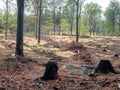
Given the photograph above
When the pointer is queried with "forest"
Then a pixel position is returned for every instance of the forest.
(59, 45)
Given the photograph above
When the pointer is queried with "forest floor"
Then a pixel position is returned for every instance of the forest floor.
(18, 73)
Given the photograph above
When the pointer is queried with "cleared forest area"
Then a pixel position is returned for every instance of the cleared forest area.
(22, 73)
(59, 45)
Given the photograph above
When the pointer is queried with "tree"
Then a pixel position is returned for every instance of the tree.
(1, 21)
(35, 4)
(6, 20)
(8, 5)
(77, 20)
(118, 17)
(93, 12)
(58, 20)
(79, 4)
(20, 15)
(29, 24)
(112, 15)
(71, 13)
(33, 7)
(40, 13)
(55, 7)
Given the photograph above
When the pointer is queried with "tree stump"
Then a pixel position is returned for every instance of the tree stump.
(105, 67)
(117, 55)
(51, 71)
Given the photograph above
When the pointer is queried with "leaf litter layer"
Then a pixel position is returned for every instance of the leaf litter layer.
(17, 73)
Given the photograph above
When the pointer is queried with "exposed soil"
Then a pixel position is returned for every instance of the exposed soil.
(23, 73)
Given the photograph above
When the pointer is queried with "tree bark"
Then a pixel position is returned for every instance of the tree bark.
(60, 22)
(36, 21)
(71, 25)
(40, 15)
(77, 22)
(59, 28)
(90, 31)
(119, 28)
(51, 71)
(6, 20)
(119, 25)
(20, 15)
(113, 24)
(79, 15)
(54, 24)
(105, 67)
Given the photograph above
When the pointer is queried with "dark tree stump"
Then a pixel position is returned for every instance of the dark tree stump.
(51, 71)
(116, 55)
(104, 50)
(105, 67)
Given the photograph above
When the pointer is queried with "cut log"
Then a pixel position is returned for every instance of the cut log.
(51, 71)
(105, 67)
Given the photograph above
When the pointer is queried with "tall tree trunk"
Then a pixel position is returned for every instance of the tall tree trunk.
(77, 22)
(91, 24)
(20, 15)
(59, 28)
(79, 28)
(94, 26)
(71, 25)
(113, 27)
(80, 6)
(90, 31)
(119, 25)
(6, 30)
(54, 24)
(113, 24)
(40, 15)
(36, 28)
(60, 22)
(71, 28)
(36, 22)
(119, 28)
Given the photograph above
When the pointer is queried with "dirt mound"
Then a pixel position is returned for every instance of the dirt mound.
(81, 52)
(85, 57)
(73, 46)
(56, 44)
(84, 36)
(63, 44)
(52, 44)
